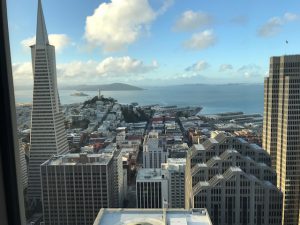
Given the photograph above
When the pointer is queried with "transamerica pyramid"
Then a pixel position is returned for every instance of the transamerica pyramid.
(48, 136)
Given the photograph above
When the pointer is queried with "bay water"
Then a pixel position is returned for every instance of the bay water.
(247, 98)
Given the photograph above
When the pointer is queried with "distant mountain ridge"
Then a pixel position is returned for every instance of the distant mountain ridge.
(104, 87)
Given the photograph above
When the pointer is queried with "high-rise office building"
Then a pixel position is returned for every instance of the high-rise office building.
(23, 164)
(174, 169)
(234, 180)
(76, 186)
(154, 151)
(282, 128)
(151, 189)
(162, 188)
(48, 136)
(236, 197)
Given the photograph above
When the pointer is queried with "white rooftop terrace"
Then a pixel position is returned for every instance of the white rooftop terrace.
(174, 164)
(79, 158)
(152, 217)
(149, 174)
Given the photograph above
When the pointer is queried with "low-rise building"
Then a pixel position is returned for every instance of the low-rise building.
(153, 217)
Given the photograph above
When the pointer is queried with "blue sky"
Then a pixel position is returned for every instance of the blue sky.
(156, 42)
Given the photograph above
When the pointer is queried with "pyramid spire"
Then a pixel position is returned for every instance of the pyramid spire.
(41, 31)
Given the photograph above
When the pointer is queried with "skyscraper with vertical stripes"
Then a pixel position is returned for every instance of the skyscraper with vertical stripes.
(281, 131)
(48, 135)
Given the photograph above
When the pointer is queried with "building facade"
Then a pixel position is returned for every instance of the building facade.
(282, 128)
(239, 198)
(48, 136)
(23, 164)
(76, 186)
(151, 189)
(154, 151)
(162, 188)
(174, 169)
(234, 180)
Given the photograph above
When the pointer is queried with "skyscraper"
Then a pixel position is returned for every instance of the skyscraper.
(76, 186)
(23, 164)
(282, 129)
(154, 151)
(234, 181)
(174, 170)
(48, 135)
(151, 188)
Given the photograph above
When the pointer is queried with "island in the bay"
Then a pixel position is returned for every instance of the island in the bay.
(104, 87)
(79, 94)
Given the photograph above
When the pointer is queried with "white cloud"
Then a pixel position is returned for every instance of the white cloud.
(251, 71)
(274, 25)
(123, 66)
(197, 67)
(225, 67)
(118, 68)
(60, 41)
(119, 23)
(201, 40)
(165, 6)
(288, 17)
(77, 69)
(22, 70)
(190, 20)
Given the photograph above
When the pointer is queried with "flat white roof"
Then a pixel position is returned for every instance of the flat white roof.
(149, 174)
(152, 217)
(199, 147)
(79, 158)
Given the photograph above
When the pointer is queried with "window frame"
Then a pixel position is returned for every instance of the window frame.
(12, 209)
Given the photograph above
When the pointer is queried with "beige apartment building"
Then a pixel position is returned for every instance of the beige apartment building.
(281, 132)
(234, 180)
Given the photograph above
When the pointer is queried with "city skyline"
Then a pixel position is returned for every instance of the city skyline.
(159, 43)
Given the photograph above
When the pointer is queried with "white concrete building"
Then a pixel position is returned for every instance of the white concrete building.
(154, 151)
(174, 170)
(48, 136)
(151, 189)
(152, 217)
(162, 188)
(121, 134)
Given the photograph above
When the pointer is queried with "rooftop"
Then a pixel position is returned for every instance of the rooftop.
(79, 158)
(147, 174)
(199, 147)
(152, 217)
(174, 164)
